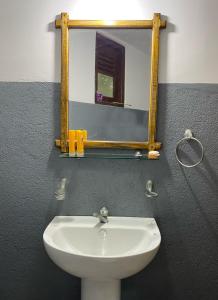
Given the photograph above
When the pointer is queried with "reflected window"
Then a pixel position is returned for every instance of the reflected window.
(109, 71)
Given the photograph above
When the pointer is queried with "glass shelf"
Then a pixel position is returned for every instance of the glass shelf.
(137, 155)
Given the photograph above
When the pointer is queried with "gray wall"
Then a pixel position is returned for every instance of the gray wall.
(186, 209)
(104, 122)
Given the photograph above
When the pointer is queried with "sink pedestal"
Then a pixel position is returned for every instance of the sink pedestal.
(98, 290)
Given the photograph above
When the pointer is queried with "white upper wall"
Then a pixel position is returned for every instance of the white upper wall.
(30, 45)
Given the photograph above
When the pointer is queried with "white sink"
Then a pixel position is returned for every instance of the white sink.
(101, 254)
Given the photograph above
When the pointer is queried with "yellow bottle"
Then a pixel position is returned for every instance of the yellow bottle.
(80, 144)
(72, 143)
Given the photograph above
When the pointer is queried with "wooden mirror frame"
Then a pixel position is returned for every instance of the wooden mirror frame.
(64, 23)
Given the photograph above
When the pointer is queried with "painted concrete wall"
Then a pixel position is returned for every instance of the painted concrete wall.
(186, 209)
(31, 46)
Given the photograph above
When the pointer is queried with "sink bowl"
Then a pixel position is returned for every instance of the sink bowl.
(101, 254)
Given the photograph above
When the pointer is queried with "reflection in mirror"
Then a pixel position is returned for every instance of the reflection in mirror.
(109, 70)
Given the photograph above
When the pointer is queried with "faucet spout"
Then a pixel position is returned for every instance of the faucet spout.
(102, 215)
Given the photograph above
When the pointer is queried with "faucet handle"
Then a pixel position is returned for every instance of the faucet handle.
(104, 211)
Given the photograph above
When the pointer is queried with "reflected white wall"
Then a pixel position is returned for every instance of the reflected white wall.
(82, 68)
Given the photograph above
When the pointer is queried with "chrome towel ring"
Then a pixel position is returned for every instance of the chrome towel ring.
(189, 136)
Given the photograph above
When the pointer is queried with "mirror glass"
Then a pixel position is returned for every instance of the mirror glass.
(109, 83)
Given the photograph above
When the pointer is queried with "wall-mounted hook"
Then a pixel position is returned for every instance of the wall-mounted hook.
(149, 189)
(61, 189)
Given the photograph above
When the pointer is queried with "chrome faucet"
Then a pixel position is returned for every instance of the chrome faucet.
(102, 215)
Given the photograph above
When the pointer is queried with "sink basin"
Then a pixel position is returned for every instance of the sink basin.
(101, 254)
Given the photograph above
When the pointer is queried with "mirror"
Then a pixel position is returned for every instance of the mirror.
(106, 68)
(109, 79)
